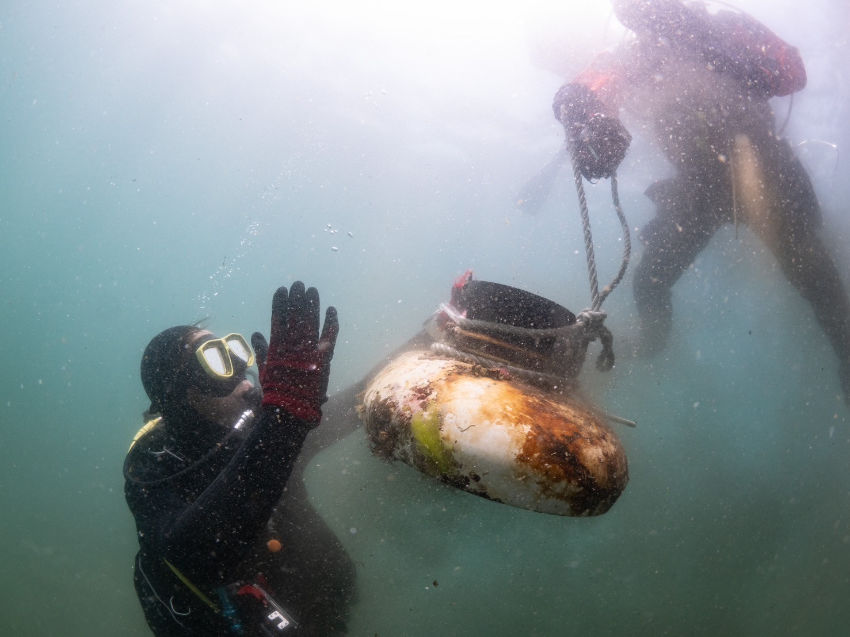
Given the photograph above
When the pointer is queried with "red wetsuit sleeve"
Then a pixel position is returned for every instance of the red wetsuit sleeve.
(604, 79)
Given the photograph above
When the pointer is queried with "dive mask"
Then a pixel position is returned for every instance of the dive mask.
(223, 362)
(221, 357)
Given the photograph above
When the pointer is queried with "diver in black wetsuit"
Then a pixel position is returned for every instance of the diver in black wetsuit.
(701, 81)
(203, 480)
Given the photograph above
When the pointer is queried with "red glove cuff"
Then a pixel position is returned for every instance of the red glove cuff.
(300, 409)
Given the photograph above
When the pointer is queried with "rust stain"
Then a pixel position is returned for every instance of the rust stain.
(569, 444)
(422, 393)
(565, 446)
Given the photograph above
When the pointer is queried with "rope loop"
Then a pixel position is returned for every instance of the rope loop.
(593, 322)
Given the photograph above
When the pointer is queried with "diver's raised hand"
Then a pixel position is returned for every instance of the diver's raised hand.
(295, 364)
(597, 139)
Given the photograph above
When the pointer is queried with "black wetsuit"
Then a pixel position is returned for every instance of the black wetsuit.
(700, 82)
(208, 508)
(708, 117)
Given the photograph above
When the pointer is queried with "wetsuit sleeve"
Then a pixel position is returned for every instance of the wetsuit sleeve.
(600, 85)
(207, 537)
(605, 78)
(588, 108)
(728, 41)
(752, 52)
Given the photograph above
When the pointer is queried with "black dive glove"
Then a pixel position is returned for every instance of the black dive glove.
(296, 364)
(597, 141)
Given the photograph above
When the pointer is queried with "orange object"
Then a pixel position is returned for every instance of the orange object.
(274, 545)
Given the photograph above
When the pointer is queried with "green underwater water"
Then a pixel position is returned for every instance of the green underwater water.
(165, 163)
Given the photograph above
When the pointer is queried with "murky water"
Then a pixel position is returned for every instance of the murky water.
(167, 162)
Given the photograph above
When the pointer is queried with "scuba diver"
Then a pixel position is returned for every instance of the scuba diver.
(227, 546)
(701, 82)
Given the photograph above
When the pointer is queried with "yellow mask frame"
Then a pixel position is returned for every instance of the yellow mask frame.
(215, 355)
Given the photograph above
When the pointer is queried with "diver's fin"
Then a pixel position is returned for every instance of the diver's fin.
(536, 190)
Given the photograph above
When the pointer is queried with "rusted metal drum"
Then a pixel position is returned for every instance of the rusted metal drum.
(482, 431)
